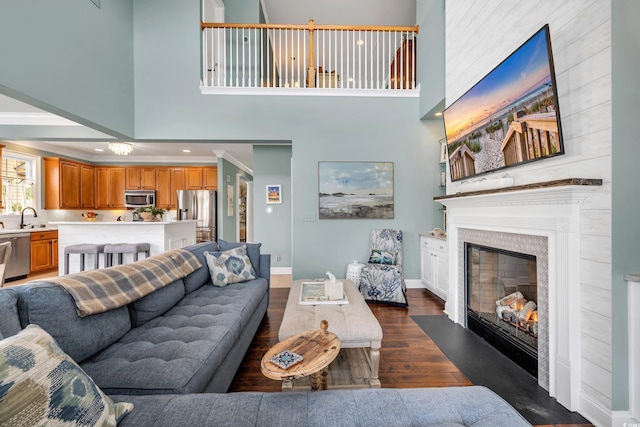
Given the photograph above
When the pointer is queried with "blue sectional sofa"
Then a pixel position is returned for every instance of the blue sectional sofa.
(188, 337)
(161, 353)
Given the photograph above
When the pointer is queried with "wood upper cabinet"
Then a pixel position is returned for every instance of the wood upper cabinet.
(67, 184)
(204, 178)
(140, 178)
(163, 188)
(110, 185)
(87, 187)
(178, 182)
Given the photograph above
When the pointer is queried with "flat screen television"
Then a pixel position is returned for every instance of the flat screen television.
(508, 118)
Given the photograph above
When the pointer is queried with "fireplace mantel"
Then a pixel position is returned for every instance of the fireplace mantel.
(570, 190)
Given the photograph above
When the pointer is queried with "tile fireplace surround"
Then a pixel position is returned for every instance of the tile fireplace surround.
(542, 220)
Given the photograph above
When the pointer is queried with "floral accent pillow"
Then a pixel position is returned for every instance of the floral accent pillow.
(228, 267)
(41, 385)
(380, 256)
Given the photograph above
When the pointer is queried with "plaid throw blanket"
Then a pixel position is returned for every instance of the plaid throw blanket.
(97, 291)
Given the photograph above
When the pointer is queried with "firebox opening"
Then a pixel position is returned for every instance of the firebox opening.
(501, 295)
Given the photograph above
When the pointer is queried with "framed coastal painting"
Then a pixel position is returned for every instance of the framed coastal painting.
(274, 194)
(355, 190)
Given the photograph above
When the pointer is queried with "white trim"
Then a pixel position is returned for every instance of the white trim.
(633, 336)
(302, 91)
(623, 419)
(35, 119)
(597, 414)
(281, 270)
(414, 284)
(221, 154)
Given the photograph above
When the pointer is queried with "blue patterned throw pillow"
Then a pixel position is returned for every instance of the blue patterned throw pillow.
(232, 266)
(41, 385)
(380, 256)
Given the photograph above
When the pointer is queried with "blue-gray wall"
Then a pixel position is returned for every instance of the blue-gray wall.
(431, 56)
(626, 175)
(71, 58)
(169, 106)
(272, 166)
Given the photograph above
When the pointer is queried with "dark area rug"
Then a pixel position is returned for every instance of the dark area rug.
(486, 366)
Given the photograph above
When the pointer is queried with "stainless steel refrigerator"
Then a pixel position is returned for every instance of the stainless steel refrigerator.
(200, 205)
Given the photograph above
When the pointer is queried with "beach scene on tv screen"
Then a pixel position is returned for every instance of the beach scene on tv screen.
(508, 117)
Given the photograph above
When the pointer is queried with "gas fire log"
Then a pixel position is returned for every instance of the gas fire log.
(526, 311)
(510, 299)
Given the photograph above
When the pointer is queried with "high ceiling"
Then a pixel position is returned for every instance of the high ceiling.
(336, 12)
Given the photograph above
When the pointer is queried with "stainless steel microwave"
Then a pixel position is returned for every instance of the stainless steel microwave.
(137, 198)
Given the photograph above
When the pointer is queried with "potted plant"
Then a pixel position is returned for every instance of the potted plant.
(149, 213)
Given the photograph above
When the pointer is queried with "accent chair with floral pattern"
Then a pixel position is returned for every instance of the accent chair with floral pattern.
(381, 278)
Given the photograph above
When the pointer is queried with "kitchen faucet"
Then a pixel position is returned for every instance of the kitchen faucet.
(35, 215)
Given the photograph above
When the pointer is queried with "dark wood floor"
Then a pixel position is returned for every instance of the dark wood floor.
(408, 357)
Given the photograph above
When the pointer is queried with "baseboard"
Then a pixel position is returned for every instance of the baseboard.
(281, 270)
(623, 419)
(414, 283)
(597, 414)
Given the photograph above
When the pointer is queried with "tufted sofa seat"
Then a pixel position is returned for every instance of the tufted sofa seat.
(429, 407)
(187, 337)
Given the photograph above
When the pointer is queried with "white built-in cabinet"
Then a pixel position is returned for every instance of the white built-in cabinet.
(434, 265)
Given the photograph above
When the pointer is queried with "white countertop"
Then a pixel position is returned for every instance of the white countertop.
(121, 222)
(25, 230)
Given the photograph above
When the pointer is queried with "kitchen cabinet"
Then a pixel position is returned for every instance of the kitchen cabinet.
(110, 184)
(163, 188)
(67, 184)
(44, 250)
(204, 178)
(178, 182)
(434, 265)
(87, 187)
(140, 178)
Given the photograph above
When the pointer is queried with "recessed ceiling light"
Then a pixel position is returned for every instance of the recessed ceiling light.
(98, 149)
(186, 151)
(350, 79)
(438, 114)
(360, 42)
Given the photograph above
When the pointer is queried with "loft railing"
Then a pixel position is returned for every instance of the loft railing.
(308, 56)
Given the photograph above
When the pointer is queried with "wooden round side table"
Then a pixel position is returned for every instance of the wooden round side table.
(318, 348)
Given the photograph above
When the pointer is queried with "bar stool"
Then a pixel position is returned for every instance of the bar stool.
(82, 249)
(124, 248)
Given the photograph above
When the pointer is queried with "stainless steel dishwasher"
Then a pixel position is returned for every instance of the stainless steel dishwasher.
(19, 264)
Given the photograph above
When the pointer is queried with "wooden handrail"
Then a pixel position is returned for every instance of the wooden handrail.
(204, 25)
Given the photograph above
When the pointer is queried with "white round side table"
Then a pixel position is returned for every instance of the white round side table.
(353, 272)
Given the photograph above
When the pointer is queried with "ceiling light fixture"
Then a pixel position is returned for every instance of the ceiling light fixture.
(360, 42)
(186, 151)
(121, 148)
(438, 114)
(98, 149)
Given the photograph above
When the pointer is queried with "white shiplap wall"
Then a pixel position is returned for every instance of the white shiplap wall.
(480, 35)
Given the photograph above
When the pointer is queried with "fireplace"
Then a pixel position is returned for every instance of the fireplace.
(543, 220)
(501, 301)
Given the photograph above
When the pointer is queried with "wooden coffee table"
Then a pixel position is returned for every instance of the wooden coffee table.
(353, 323)
(318, 347)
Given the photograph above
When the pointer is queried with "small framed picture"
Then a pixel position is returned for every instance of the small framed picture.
(274, 194)
(443, 151)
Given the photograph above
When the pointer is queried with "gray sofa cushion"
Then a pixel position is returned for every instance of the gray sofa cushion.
(53, 309)
(434, 407)
(9, 321)
(156, 303)
(179, 351)
(201, 276)
(253, 250)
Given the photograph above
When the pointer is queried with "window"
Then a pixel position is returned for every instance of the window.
(18, 182)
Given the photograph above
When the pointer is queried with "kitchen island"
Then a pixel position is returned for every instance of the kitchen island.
(161, 236)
